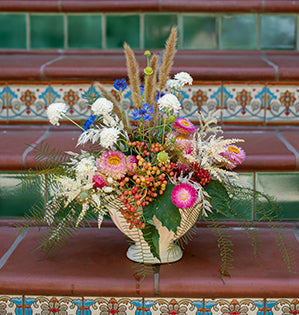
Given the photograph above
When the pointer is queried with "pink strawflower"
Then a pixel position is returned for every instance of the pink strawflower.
(131, 160)
(181, 141)
(99, 181)
(113, 163)
(184, 196)
(184, 126)
(235, 155)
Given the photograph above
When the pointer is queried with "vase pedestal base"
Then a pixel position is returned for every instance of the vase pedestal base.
(170, 255)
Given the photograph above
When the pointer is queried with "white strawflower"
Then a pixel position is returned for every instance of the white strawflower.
(55, 112)
(169, 102)
(184, 78)
(102, 106)
(109, 136)
(173, 84)
(86, 168)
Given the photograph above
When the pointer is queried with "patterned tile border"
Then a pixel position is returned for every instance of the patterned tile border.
(59, 305)
(241, 102)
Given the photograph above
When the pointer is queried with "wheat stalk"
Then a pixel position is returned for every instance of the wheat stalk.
(133, 74)
(167, 59)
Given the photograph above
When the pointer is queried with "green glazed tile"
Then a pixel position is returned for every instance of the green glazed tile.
(120, 29)
(84, 31)
(157, 28)
(284, 187)
(47, 31)
(13, 31)
(199, 32)
(238, 31)
(13, 200)
(277, 31)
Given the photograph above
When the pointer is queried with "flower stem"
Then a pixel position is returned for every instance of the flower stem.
(63, 115)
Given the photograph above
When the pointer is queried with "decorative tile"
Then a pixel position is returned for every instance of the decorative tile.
(282, 306)
(13, 30)
(200, 98)
(27, 101)
(3, 107)
(84, 31)
(277, 31)
(238, 31)
(200, 31)
(234, 306)
(53, 305)
(127, 103)
(243, 102)
(111, 305)
(73, 95)
(122, 28)
(11, 305)
(282, 103)
(173, 306)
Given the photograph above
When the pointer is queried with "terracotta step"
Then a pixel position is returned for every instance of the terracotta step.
(108, 65)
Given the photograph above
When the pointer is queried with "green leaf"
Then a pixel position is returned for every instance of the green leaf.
(151, 236)
(164, 210)
(219, 197)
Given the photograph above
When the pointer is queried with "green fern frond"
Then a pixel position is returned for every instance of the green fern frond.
(225, 246)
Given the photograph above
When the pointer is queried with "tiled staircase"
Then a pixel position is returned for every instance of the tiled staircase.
(243, 56)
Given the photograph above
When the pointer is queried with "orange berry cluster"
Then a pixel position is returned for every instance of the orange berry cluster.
(147, 183)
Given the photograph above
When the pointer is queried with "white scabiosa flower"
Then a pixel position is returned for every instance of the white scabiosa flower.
(109, 136)
(184, 78)
(169, 102)
(55, 111)
(173, 84)
(86, 168)
(102, 106)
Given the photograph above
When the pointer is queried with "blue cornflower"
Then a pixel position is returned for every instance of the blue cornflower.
(141, 88)
(146, 112)
(158, 95)
(90, 121)
(120, 84)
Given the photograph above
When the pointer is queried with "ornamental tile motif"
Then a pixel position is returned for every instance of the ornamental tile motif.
(243, 102)
(3, 108)
(74, 96)
(170, 306)
(11, 305)
(44, 305)
(282, 103)
(282, 306)
(27, 102)
(234, 307)
(111, 306)
(240, 102)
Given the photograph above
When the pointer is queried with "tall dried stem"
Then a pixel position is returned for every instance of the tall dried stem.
(167, 59)
(133, 74)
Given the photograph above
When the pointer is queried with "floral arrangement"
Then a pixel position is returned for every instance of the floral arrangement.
(151, 160)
